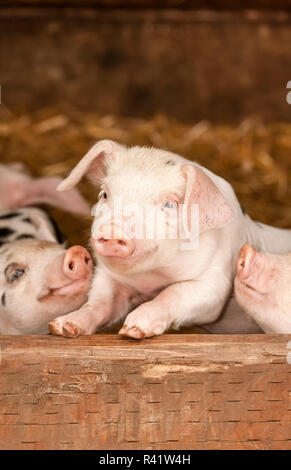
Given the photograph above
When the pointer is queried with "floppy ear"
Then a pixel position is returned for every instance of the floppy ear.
(92, 164)
(214, 211)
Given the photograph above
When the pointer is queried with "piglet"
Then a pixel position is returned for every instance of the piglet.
(40, 278)
(156, 276)
(39, 281)
(263, 288)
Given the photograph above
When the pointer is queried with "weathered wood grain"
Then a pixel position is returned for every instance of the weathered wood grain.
(170, 392)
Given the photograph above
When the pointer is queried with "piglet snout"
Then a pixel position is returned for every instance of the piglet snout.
(244, 261)
(113, 242)
(77, 263)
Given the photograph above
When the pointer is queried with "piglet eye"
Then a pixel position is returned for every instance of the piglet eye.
(102, 195)
(16, 274)
(169, 205)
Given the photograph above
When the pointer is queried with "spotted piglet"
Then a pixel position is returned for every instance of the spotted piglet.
(40, 278)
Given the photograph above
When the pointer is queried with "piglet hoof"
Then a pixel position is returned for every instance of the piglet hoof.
(71, 330)
(67, 329)
(55, 327)
(133, 332)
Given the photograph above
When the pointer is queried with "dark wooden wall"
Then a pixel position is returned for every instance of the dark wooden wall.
(164, 4)
(219, 65)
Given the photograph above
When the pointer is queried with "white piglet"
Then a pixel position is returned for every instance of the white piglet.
(158, 282)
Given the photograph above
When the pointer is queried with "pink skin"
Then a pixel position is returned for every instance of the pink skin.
(67, 274)
(255, 271)
(262, 288)
(55, 281)
(18, 189)
(121, 246)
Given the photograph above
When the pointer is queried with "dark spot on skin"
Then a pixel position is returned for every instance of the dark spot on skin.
(5, 232)
(10, 215)
(24, 236)
(60, 237)
(3, 299)
(170, 163)
(28, 220)
(243, 210)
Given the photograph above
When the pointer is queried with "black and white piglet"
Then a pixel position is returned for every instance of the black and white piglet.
(39, 278)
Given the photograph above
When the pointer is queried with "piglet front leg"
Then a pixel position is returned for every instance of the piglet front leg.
(84, 321)
(190, 302)
(104, 302)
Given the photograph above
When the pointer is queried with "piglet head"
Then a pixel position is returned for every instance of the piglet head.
(262, 286)
(137, 216)
(39, 281)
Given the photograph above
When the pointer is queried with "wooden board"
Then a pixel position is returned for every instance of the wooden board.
(169, 392)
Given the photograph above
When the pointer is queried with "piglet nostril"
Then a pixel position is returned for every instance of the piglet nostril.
(115, 244)
(245, 261)
(76, 262)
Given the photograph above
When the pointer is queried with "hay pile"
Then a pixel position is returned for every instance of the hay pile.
(255, 158)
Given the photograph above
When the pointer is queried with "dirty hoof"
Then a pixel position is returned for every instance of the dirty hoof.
(67, 329)
(133, 332)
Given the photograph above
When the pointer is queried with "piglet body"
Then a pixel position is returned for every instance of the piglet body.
(158, 282)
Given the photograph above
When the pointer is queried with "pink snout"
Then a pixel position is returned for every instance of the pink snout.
(77, 263)
(244, 261)
(256, 270)
(113, 242)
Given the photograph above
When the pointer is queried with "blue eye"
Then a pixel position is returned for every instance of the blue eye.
(14, 271)
(170, 205)
(16, 274)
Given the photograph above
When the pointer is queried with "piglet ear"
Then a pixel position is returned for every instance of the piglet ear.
(44, 191)
(214, 211)
(92, 164)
